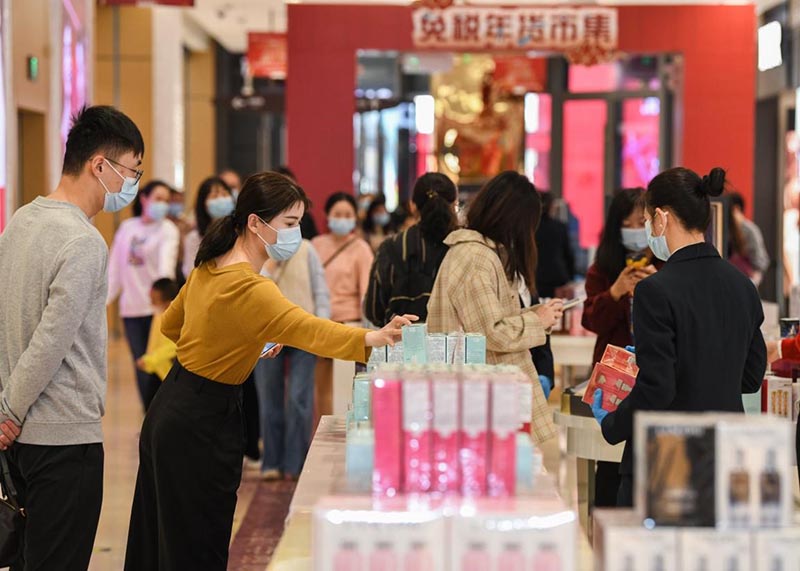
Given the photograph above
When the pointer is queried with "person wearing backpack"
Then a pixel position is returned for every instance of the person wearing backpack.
(406, 265)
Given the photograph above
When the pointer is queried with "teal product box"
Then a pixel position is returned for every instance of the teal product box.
(455, 349)
(475, 351)
(362, 401)
(415, 344)
(394, 354)
(437, 349)
(359, 457)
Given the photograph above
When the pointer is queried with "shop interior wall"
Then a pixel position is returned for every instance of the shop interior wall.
(201, 138)
(718, 44)
(133, 94)
(766, 195)
(30, 21)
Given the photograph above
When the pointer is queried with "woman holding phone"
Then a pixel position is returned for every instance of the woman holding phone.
(477, 289)
(191, 444)
(697, 322)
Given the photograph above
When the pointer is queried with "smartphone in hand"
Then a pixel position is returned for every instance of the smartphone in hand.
(573, 302)
(267, 348)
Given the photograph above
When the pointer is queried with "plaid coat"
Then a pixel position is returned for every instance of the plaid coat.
(472, 294)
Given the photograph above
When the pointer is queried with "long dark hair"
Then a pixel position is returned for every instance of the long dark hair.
(434, 195)
(369, 225)
(611, 253)
(200, 211)
(266, 194)
(686, 194)
(507, 210)
(146, 191)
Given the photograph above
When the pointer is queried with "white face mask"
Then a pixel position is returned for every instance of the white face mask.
(116, 201)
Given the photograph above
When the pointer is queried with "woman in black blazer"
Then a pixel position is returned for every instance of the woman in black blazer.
(696, 322)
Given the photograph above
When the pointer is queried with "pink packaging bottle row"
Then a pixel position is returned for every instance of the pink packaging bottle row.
(445, 431)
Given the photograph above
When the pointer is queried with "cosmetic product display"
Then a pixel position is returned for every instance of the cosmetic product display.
(415, 347)
(715, 550)
(437, 348)
(615, 375)
(359, 534)
(777, 549)
(475, 349)
(417, 433)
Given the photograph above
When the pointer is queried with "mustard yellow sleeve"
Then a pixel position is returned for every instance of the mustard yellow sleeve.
(172, 321)
(287, 324)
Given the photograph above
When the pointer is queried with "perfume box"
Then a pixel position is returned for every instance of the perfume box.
(360, 534)
(641, 549)
(417, 434)
(437, 348)
(475, 349)
(513, 534)
(715, 550)
(615, 384)
(777, 397)
(675, 458)
(777, 549)
(620, 359)
(503, 437)
(754, 476)
(604, 519)
(387, 421)
(395, 353)
(456, 350)
(415, 344)
(362, 403)
(446, 436)
(474, 435)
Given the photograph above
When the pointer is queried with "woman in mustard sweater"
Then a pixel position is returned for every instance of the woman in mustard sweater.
(191, 446)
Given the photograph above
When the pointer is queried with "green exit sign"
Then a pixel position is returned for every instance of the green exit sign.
(33, 68)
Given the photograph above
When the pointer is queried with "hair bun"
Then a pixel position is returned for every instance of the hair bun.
(713, 184)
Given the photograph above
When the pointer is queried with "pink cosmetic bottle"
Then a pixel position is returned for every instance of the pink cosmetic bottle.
(474, 433)
(547, 559)
(347, 558)
(387, 421)
(503, 461)
(383, 558)
(419, 558)
(446, 405)
(511, 558)
(476, 558)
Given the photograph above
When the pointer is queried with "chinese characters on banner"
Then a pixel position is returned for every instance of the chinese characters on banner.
(267, 55)
(562, 29)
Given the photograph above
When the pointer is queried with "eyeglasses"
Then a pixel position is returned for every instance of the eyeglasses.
(139, 173)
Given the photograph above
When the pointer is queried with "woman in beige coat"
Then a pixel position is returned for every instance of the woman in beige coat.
(477, 288)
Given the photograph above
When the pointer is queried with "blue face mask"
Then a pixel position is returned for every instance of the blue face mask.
(220, 207)
(116, 201)
(381, 219)
(289, 240)
(342, 226)
(157, 211)
(175, 209)
(634, 239)
(658, 244)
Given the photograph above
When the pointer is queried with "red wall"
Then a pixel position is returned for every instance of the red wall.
(718, 44)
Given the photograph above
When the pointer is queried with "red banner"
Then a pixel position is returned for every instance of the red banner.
(267, 55)
(520, 73)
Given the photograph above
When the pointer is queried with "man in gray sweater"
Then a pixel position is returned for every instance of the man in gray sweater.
(53, 340)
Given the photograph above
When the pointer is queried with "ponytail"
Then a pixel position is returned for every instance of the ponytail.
(437, 218)
(218, 240)
(434, 195)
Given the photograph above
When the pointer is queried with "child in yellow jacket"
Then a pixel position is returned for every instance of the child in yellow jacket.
(160, 355)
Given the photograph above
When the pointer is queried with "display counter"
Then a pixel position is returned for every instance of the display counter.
(324, 475)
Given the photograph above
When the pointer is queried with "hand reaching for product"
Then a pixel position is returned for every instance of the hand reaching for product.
(550, 313)
(391, 333)
(597, 407)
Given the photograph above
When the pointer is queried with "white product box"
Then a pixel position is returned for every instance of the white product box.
(754, 473)
(359, 534)
(641, 549)
(456, 349)
(777, 550)
(715, 550)
(512, 535)
(437, 348)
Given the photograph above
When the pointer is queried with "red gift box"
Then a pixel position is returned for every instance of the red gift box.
(620, 359)
(615, 384)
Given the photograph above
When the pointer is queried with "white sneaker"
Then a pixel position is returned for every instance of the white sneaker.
(250, 464)
(271, 475)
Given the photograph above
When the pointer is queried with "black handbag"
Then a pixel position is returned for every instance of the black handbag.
(12, 518)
